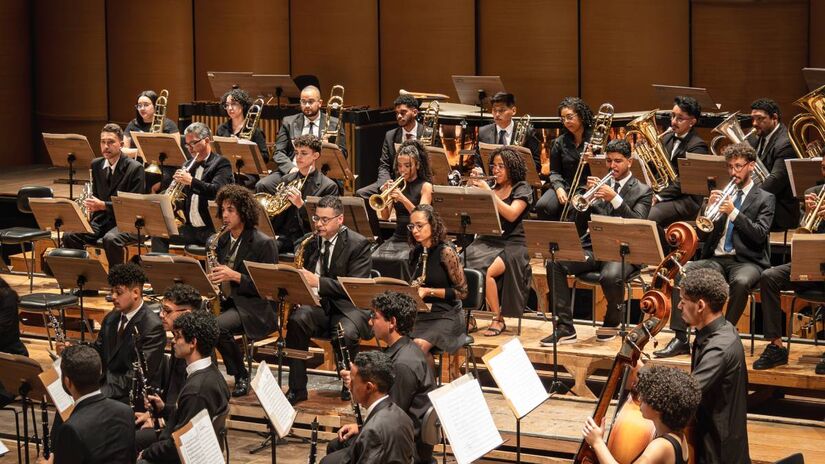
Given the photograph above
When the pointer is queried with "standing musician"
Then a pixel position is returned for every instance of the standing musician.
(738, 246)
(771, 285)
(144, 117)
(623, 196)
(773, 147)
(207, 174)
(502, 130)
(670, 204)
(565, 156)
(411, 164)
(311, 121)
(505, 258)
(338, 251)
(242, 309)
(111, 173)
(293, 223)
(195, 335)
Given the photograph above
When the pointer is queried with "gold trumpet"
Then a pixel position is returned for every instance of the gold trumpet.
(380, 201)
(814, 104)
(811, 221)
(464, 180)
(430, 122)
(157, 125)
(651, 151)
(335, 103)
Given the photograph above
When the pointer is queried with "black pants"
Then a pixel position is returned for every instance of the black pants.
(229, 323)
(665, 213)
(771, 284)
(338, 452)
(144, 438)
(114, 243)
(187, 235)
(268, 183)
(365, 193)
(548, 208)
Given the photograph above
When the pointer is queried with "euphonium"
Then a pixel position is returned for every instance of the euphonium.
(521, 130)
(380, 201)
(650, 150)
(814, 104)
(430, 123)
(712, 214)
(87, 193)
(157, 124)
(335, 103)
(583, 201)
(278, 202)
(253, 116)
(811, 220)
(731, 130)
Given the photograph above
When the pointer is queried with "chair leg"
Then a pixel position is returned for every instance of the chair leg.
(790, 324)
(471, 359)
(48, 330)
(29, 268)
(753, 320)
(247, 353)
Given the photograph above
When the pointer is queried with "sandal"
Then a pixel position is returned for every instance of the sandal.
(492, 331)
(472, 326)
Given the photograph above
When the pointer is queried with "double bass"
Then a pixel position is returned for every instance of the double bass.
(655, 303)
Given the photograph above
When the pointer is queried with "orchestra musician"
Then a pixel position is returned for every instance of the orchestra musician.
(502, 130)
(9, 332)
(144, 117)
(565, 156)
(503, 260)
(336, 251)
(411, 164)
(738, 245)
(242, 309)
(311, 121)
(236, 103)
(111, 173)
(209, 171)
(623, 196)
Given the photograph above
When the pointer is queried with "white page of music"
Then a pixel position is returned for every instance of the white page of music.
(62, 400)
(280, 413)
(200, 444)
(517, 378)
(466, 419)
(3, 448)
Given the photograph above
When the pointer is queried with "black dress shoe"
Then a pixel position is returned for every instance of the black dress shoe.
(772, 356)
(296, 397)
(674, 348)
(241, 387)
(345, 394)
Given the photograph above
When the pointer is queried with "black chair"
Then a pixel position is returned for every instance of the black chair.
(473, 301)
(813, 295)
(591, 279)
(221, 431)
(23, 235)
(197, 251)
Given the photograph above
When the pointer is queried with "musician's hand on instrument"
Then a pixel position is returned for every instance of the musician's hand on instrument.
(93, 204)
(477, 171)
(592, 433)
(346, 377)
(727, 206)
(587, 153)
(347, 431)
(810, 202)
(156, 402)
(224, 274)
(605, 193)
(591, 181)
(482, 184)
(183, 177)
(423, 292)
(142, 418)
(311, 277)
(561, 194)
(396, 195)
(294, 197)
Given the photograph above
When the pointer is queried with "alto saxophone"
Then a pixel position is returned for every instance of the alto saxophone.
(299, 251)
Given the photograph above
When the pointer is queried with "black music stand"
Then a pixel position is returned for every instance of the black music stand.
(666, 93)
(59, 213)
(69, 151)
(149, 214)
(86, 274)
(814, 78)
(804, 174)
(475, 90)
(21, 374)
(278, 86)
(355, 214)
(159, 148)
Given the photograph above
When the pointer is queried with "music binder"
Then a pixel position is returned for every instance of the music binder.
(516, 377)
(277, 408)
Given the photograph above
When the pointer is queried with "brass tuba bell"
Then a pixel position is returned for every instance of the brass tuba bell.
(651, 152)
(814, 103)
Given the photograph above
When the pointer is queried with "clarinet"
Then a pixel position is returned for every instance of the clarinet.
(313, 442)
(343, 364)
(141, 389)
(45, 421)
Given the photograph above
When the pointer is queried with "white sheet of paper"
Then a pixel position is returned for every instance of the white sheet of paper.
(3, 449)
(62, 400)
(200, 444)
(466, 419)
(517, 378)
(277, 408)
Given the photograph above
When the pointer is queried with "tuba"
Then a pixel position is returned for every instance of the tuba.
(814, 104)
(655, 160)
(521, 130)
(278, 202)
(430, 122)
(380, 201)
(731, 130)
(253, 116)
(157, 124)
(712, 214)
(335, 103)
(583, 201)
(811, 221)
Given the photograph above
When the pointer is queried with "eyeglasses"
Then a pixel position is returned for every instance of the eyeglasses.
(673, 117)
(413, 227)
(231, 105)
(737, 167)
(192, 144)
(140, 106)
(324, 220)
(166, 311)
(570, 117)
(308, 102)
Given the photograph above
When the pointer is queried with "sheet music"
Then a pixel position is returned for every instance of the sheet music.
(199, 445)
(280, 413)
(466, 419)
(62, 400)
(3, 449)
(516, 377)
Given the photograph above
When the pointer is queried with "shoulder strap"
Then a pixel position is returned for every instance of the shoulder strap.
(677, 448)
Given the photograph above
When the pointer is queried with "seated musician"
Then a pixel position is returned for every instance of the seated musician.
(293, 223)
(670, 204)
(623, 196)
(111, 173)
(387, 435)
(337, 251)
(177, 300)
(242, 309)
(773, 147)
(311, 121)
(208, 173)
(669, 398)
(503, 260)
(565, 156)
(502, 130)
(100, 429)
(195, 335)
(771, 285)
(411, 164)
(144, 117)
(738, 246)
(236, 103)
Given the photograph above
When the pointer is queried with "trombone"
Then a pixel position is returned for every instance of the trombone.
(157, 125)
(253, 116)
(582, 201)
(712, 213)
(380, 201)
(335, 103)
(430, 122)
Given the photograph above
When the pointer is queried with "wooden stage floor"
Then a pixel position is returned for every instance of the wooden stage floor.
(11, 179)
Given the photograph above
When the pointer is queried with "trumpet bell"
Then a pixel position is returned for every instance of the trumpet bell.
(704, 224)
(153, 168)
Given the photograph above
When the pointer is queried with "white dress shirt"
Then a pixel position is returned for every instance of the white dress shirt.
(195, 218)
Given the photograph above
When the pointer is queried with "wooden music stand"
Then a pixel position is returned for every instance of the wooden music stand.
(265, 85)
(21, 374)
(808, 258)
(439, 165)
(355, 214)
(804, 174)
(141, 214)
(165, 271)
(699, 174)
(633, 241)
(264, 224)
(85, 274)
(361, 291)
(244, 155)
(333, 164)
(598, 168)
(467, 210)
(60, 215)
(486, 150)
(160, 149)
(69, 151)
(475, 90)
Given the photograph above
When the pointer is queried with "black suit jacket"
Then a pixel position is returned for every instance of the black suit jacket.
(217, 172)
(128, 177)
(489, 134)
(413, 380)
(386, 165)
(100, 430)
(204, 389)
(294, 222)
(172, 379)
(636, 200)
(777, 150)
(117, 356)
(386, 437)
(691, 143)
(256, 313)
(291, 127)
(751, 229)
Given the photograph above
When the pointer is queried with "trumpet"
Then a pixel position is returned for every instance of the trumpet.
(430, 122)
(335, 103)
(253, 116)
(464, 180)
(712, 213)
(582, 201)
(811, 221)
(157, 124)
(380, 201)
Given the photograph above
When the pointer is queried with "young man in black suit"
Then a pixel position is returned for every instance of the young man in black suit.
(623, 196)
(337, 251)
(293, 223)
(195, 334)
(111, 173)
(242, 309)
(201, 182)
(387, 436)
(502, 130)
(311, 121)
(100, 429)
(738, 246)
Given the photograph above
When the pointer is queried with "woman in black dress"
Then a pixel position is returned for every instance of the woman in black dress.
(144, 115)
(503, 260)
(236, 103)
(442, 284)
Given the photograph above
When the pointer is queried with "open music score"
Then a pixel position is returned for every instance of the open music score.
(516, 377)
(362, 290)
(62, 401)
(197, 442)
(280, 412)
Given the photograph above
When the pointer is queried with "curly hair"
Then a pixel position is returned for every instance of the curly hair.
(416, 151)
(580, 108)
(201, 326)
(439, 229)
(244, 203)
(399, 306)
(308, 140)
(767, 105)
(513, 163)
(375, 367)
(707, 284)
(673, 393)
(130, 275)
(239, 96)
(183, 295)
(739, 150)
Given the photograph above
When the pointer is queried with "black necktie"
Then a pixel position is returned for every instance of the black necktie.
(616, 186)
(761, 147)
(325, 258)
(122, 328)
(502, 137)
(109, 175)
(311, 127)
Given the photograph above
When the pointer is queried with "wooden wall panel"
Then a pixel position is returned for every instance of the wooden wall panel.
(743, 51)
(537, 59)
(627, 46)
(423, 45)
(816, 53)
(155, 54)
(339, 44)
(15, 74)
(243, 35)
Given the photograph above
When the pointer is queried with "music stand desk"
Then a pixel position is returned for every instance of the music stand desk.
(474, 90)
(541, 235)
(60, 215)
(244, 155)
(165, 271)
(333, 163)
(697, 172)
(808, 257)
(633, 241)
(361, 291)
(144, 214)
(804, 174)
(281, 282)
(467, 210)
(486, 150)
(439, 165)
(70, 271)
(666, 93)
(355, 213)
(69, 151)
(160, 149)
